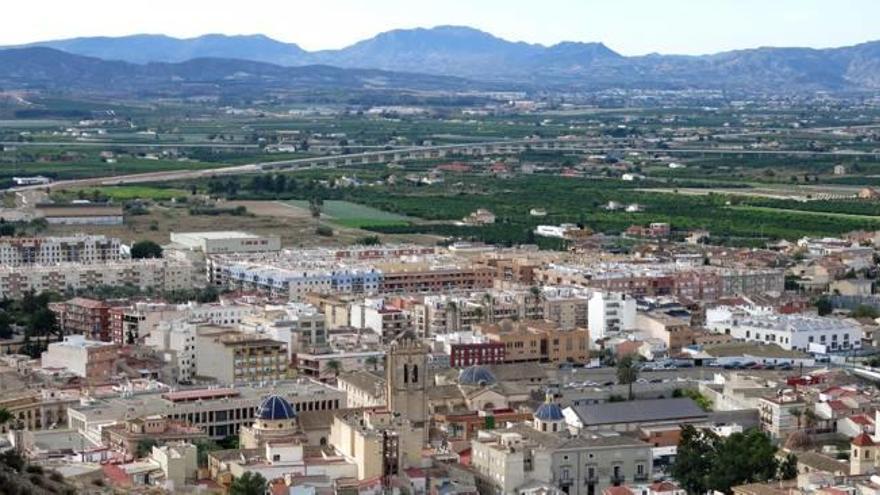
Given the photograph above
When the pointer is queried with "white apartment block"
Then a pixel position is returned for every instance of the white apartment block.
(385, 321)
(610, 313)
(176, 340)
(146, 275)
(143, 317)
(790, 332)
(18, 251)
(299, 326)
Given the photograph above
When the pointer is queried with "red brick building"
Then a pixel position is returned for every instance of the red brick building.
(463, 355)
(82, 316)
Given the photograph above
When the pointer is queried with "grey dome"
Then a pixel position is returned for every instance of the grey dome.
(476, 375)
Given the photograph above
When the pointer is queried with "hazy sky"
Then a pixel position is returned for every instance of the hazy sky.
(627, 26)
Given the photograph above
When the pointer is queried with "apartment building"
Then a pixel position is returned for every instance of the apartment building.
(412, 279)
(230, 356)
(299, 326)
(83, 316)
(666, 279)
(611, 313)
(17, 251)
(476, 353)
(90, 359)
(176, 341)
(777, 415)
(568, 307)
(146, 275)
(538, 340)
(384, 320)
(447, 313)
(672, 329)
(128, 324)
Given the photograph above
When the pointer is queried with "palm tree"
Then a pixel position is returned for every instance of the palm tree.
(627, 373)
(372, 361)
(798, 414)
(490, 305)
(315, 206)
(249, 483)
(5, 416)
(334, 366)
(810, 419)
(451, 316)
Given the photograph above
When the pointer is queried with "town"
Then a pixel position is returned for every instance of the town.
(439, 261)
(467, 368)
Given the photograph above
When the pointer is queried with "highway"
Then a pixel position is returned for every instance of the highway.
(425, 153)
(122, 144)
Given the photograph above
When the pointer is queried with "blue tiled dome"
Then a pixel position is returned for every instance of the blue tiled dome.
(549, 411)
(275, 408)
(476, 375)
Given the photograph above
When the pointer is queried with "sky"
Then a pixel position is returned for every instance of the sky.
(630, 27)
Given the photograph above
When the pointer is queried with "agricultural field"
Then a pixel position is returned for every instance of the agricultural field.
(355, 215)
(121, 193)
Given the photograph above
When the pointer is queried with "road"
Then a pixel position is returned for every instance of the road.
(420, 153)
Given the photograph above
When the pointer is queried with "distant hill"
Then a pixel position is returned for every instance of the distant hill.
(47, 68)
(476, 55)
(144, 48)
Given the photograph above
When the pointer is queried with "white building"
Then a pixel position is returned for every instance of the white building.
(222, 242)
(373, 314)
(610, 313)
(31, 181)
(177, 341)
(557, 231)
(82, 357)
(791, 332)
(299, 326)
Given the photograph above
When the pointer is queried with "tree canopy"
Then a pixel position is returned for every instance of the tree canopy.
(146, 249)
(707, 462)
(249, 483)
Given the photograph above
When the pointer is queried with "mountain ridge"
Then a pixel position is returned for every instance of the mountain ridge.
(464, 52)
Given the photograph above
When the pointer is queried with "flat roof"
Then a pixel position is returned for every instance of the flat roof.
(217, 234)
(639, 411)
(200, 394)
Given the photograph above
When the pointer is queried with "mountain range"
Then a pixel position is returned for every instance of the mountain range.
(462, 52)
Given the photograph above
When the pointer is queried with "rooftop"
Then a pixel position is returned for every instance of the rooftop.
(641, 411)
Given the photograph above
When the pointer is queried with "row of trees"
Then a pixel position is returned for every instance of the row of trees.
(706, 462)
(30, 314)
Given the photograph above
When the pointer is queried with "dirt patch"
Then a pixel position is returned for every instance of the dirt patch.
(272, 208)
(295, 227)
